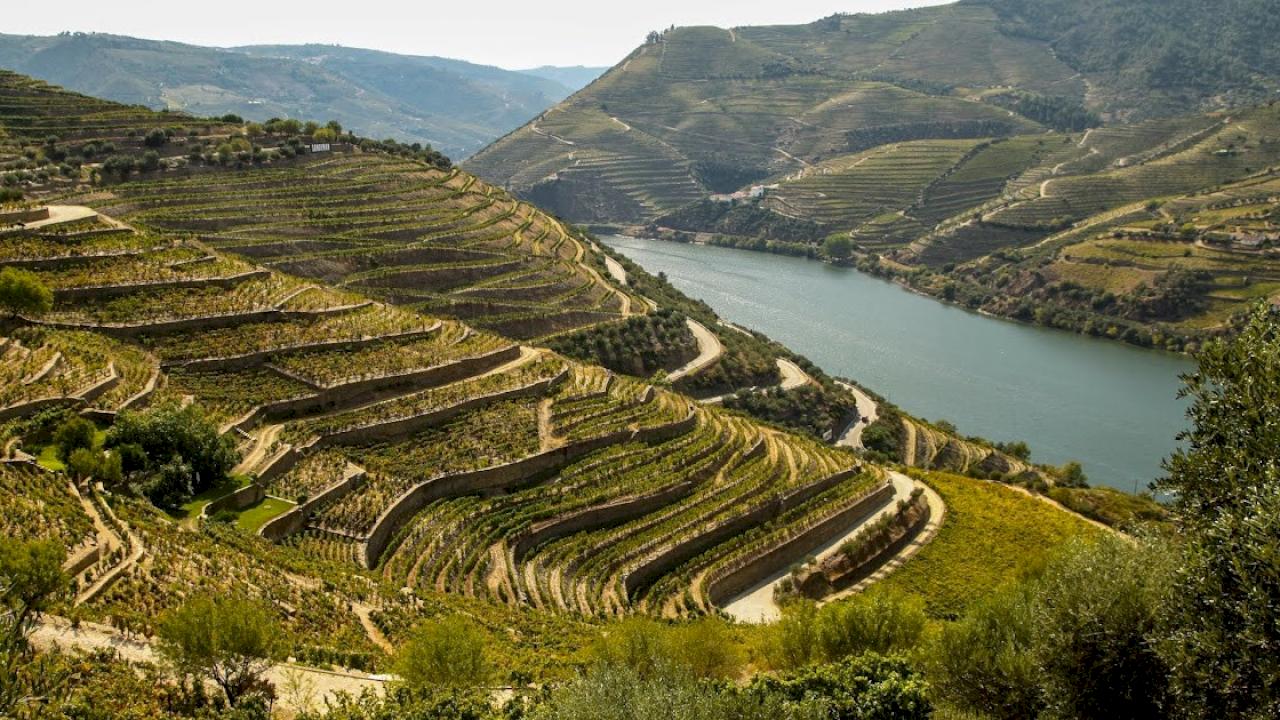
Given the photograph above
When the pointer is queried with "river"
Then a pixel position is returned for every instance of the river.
(1111, 406)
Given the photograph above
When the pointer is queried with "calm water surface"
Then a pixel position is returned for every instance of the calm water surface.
(1110, 406)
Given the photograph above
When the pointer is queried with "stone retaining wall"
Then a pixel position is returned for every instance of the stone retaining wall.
(205, 322)
(82, 560)
(238, 500)
(611, 513)
(240, 362)
(734, 581)
(869, 566)
(65, 261)
(651, 569)
(104, 292)
(24, 215)
(285, 461)
(282, 526)
(502, 476)
(35, 406)
(407, 426)
(365, 390)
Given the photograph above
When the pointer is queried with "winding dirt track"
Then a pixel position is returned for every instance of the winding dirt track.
(756, 605)
(709, 350)
(868, 412)
(792, 375)
(322, 684)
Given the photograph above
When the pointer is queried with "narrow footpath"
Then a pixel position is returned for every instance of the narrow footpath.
(321, 684)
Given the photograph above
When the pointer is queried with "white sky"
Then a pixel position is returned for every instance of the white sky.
(509, 33)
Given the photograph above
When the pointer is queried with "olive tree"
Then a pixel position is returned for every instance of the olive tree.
(449, 652)
(31, 578)
(1225, 619)
(230, 641)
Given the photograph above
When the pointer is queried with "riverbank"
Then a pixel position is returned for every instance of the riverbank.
(1111, 406)
(953, 291)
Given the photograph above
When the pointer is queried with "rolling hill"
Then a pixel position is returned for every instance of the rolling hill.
(948, 144)
(455, 106)
(575, 78)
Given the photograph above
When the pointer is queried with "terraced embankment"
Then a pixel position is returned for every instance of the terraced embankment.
(756, 604)
(438, 241)
(445, 458)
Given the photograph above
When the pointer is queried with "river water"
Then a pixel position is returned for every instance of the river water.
(1111, 406)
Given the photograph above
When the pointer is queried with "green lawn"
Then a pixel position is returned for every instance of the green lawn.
(255, 516)
(48, 459)
(990, 536)
(193, 508)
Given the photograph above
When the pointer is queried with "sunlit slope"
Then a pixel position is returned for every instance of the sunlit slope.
(709, 110)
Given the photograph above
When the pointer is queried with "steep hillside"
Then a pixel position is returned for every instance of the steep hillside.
(455, 106)
(406, 454)
(701, 110)
(966, 150)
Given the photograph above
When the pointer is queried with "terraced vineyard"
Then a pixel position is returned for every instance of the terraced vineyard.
(395, 443)
(389, 433)
(842, 192)
(433, 240)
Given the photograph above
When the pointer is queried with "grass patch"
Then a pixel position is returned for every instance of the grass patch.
(1110, 506)
(48, 459)
(252, 518)
(991, 535)
(193, 508)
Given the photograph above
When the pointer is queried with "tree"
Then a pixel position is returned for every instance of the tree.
(22, 291)
(75, 433)
(155, 138)
(1097, 625)
(448, 652)
(1072, 475)
(31, 578)
(1225, 615)
(184, 450)
(838, 247)
(703, 649)
(231, 641)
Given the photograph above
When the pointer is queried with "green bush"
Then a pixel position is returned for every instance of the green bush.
(449, 652)
(868, 687)
(807, 635)
(22, 291)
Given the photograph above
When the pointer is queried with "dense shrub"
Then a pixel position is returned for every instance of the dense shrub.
(184, 451)
(444, 653)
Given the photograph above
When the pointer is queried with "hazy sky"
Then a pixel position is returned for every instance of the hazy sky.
(509, 33)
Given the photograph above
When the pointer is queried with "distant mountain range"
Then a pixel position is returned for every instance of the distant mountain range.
(456, 106)
(575, 77)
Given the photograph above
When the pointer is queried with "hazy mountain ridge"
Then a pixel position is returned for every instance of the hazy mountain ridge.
(575, 78)
(453, 105)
